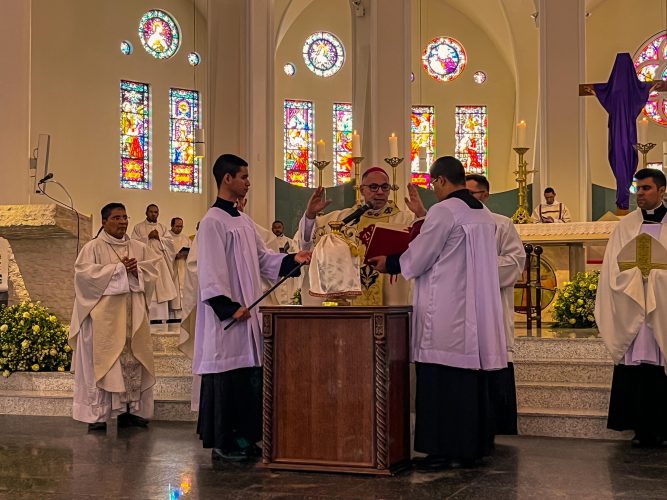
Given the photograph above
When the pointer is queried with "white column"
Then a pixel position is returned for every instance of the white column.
(381, 81)
(562, 143)
(241, 94)
(15, 144)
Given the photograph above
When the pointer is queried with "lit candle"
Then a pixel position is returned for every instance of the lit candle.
(422, 159)
(356, 145)
(664, 151)
(393, 146)
(643, 130)
(521, 134)
(320, 150)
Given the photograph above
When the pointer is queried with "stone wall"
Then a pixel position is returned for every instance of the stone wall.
(44, 241)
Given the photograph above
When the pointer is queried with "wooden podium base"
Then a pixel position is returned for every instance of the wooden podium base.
(336, 389)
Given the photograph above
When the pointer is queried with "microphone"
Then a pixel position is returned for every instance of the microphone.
(47, 177)
(354, 216)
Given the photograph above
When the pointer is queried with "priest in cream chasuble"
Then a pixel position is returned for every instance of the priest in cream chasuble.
(376, 289)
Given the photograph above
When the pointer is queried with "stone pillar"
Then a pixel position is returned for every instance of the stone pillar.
(381, 100)
(15, 99)
(562, 140)
(241, 88)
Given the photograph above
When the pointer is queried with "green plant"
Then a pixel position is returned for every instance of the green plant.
(575, 302)
(296, 298)
(32, 339)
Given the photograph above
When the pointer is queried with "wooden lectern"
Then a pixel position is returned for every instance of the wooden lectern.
(336, 388)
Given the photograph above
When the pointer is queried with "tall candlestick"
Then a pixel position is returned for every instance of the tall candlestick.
(393, 146)
(664, 153)
(320, 150)
(642, 128)
(521, 128)
(356, 145)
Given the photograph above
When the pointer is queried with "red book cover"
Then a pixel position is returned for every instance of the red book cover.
(387, 239)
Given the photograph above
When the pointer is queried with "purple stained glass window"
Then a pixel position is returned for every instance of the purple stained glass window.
(651, 64)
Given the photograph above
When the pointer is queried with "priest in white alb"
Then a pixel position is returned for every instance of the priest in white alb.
(551, 211)
(511, 261)
(151, 232)
(458, 336)
(376, 289)
(110, 333)
(231, 260)
(631, 314)
(177, 246)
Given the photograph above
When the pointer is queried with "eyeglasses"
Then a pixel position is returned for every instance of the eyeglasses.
(374, 187)
(434, 180)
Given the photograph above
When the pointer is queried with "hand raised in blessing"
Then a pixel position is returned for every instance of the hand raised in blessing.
(316, 203)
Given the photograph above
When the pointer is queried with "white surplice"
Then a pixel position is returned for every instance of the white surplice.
(231, 260)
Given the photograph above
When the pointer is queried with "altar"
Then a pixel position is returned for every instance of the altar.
(569, 249)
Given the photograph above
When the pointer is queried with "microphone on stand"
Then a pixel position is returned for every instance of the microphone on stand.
(47, 177)
(356, 215)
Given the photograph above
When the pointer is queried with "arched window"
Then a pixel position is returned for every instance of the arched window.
(342, 142)
(471, 138)
(135, 166)
(298, 125)
(184, 167)
(422, 137)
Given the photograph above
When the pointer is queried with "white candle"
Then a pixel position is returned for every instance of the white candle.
(356, 145)
(664, 150)
(320, 150)
(643, 130)
(393, 146)
(521, 134)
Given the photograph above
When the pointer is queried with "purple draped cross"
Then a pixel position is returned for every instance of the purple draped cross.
(623, 97)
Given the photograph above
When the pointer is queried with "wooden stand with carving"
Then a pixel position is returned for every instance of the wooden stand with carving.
(336, 389)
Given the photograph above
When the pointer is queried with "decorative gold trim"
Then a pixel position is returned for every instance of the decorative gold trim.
(643, 255)
(381, 392)
(267, 403)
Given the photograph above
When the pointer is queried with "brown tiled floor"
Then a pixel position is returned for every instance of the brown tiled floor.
(55, 457)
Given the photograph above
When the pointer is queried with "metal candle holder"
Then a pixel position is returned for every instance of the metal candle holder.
(357, 178)
(320, 165)
(644, 149)
(522, 214)
(394, 161)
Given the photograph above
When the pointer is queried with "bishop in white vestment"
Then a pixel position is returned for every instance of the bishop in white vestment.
(113, 366)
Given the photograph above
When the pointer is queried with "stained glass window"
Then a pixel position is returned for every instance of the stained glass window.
(471, 138)
(323, 53)
(135, 167)
(422, 135)
(444, 58)
(298, 142)
(342, 142)
(184, 167)
(159, 34)
(651, 64)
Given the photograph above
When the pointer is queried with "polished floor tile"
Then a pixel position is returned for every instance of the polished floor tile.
(56, 458)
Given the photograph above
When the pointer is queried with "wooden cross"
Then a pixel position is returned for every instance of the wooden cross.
(642, 260)
(586, 89)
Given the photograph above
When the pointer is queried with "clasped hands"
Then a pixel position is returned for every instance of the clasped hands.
(131, 266)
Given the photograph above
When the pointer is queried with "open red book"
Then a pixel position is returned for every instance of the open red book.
(387, 239)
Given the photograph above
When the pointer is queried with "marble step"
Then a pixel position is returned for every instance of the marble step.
(172, 363)
(557, 396)
(587, 424)
(571, 370)
(560, 349)
(165, 342)
(45, 382)
(59, 403)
